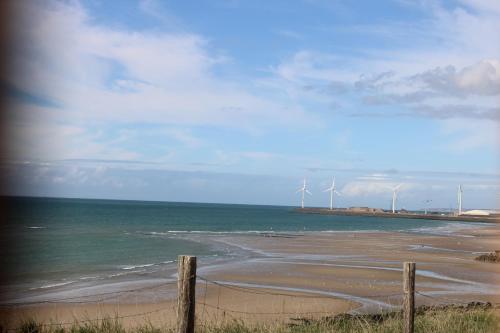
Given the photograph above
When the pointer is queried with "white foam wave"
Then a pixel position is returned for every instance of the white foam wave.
(257, 232)
(126, 273)
(171, 232)
(137, 266)
(90, 278)
(53, 285)
(368, 231)
(168, 262)
(449, 229)
(130, 267)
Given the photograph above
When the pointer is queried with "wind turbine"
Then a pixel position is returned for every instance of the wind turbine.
(303, 190)
(426, 202)
(395, 197)
(332, 191)
(459, 199)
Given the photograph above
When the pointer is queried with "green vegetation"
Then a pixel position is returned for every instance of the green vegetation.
(432, 320)
(443, 319)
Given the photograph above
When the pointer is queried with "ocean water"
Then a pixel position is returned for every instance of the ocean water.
(64, 243)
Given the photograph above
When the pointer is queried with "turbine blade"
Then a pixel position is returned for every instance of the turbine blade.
(337, 192)
(308, 192)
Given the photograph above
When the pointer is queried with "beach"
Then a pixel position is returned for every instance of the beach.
(308, 166)
(289, 275)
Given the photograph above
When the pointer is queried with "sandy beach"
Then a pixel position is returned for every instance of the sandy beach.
(309, 275)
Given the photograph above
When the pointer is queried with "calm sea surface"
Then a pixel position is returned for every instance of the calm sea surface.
(59, 242)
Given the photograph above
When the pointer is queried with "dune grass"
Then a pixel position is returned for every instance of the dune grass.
(437, 320)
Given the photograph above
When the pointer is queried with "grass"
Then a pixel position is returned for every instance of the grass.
(438, 320)
(449, 319)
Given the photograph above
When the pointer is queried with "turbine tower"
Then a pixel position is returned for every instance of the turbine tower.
(332, 191)
(304, 190)
(395, 197)
(426, 202)
(459, 199)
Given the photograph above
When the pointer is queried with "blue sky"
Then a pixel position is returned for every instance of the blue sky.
(238, 101)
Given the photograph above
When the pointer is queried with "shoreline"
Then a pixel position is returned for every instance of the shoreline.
(450, 218)
(326, 271)
(230, 251)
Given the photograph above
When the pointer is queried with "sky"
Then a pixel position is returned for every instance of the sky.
(238, 101)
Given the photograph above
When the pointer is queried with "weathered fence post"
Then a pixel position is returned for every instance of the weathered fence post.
(186, 286)
(409, 296)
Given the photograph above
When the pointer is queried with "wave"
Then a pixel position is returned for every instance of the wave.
(130, 267)
(53, 285)
(369, 231)
(170, 232)
(260, 232)
(84, 278)
(249, 232)
(36, 227)
(137, 266)
(126, 273)
(448, 229)
(168, 262)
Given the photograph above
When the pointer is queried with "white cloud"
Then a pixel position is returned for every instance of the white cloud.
(467, 136)
(483, 5)
(184, 136)
(96, 75)
(482, 78)
(157, 10)
(445, 67)
(482, 187)
(259, 155)
(306, 65)
(375, 176)
(100, 76)
(175, 84)
(377, 186)
(454, 62)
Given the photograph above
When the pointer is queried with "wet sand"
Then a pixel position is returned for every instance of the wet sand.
(310, 275)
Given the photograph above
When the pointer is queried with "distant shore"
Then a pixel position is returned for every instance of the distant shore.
(404, 215)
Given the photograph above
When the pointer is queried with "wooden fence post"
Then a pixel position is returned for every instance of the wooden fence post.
(409, 296)
(186, 287)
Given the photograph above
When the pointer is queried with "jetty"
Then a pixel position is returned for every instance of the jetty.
(375, 212)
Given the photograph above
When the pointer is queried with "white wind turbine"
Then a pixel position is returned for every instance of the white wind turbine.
(304, 190)
(395, 197)
(426, 203)
(459, 199)
(332, 191)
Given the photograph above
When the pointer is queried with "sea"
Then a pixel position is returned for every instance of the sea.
(51, 246)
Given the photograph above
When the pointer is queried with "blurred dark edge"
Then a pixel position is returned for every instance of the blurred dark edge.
(7, 17)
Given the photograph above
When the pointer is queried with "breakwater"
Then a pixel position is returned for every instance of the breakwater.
(408, 215)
